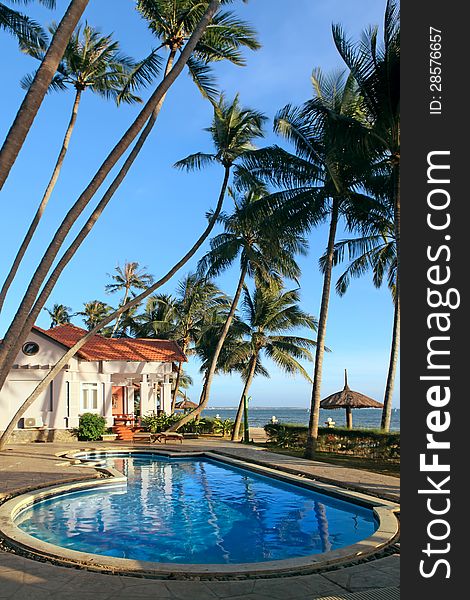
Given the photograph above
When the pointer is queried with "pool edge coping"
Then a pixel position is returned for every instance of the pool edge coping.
(15, 538)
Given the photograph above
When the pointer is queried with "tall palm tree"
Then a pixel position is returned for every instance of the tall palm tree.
(60, 314)
(127, 279)
(23, 320)
(270, 315)
(196, 296)
(21, 26)
(207, 342)
(92, 61)
(321, 182)
(376, 69)
(375, 251)
(202, 14)
(264, 253)
(93, 312)
(35, 95)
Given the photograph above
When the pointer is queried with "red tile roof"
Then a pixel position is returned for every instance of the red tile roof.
(102, 348)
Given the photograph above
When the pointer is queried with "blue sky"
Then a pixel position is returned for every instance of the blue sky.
(158, 211)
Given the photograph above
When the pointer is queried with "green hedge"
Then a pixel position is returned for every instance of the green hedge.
(365, 443)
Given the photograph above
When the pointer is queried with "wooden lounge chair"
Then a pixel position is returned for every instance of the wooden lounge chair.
(143, 436)
(172, 436)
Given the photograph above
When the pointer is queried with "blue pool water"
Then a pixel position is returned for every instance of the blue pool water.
(178, 510)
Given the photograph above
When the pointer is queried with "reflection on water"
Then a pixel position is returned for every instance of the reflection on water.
(197, 511)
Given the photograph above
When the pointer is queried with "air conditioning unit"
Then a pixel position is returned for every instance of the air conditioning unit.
(30, 422)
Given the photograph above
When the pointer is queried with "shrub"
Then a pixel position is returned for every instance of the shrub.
(222, 428)
(91, 427)
(366, 443)
(156, 424)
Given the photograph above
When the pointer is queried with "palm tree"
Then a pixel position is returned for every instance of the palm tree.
(376, 69)
(270, 315)
(158, 319)
(23, 320)
(22, 26)
(321, 182)
(183, 317)
(128, 278)
(32, 101)
(196, 296)
(26, 314)
(376, 251)
(93, 312)
(60, 314)
(91, 62)
(263, 253)
(208, 340)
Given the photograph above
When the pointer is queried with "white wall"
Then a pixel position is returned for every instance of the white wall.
(66, 387)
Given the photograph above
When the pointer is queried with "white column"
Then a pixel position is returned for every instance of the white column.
(74, 401)
(165, 396)
(145, 392)
(108, 402)
(130, 399)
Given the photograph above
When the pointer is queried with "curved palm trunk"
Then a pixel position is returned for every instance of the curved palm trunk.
(184, 348)
(10, 341)
(48, 287)
(238, 418)
(35, 95)
(210, 376)
(387, 409)
(177, 385)
(70, 353)
(320, 348)
(45, 199)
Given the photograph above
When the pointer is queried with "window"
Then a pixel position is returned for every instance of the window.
(51, 396)
(30, 348)
(89, 397)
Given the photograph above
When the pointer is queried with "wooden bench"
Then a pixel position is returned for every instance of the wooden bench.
(159, 437)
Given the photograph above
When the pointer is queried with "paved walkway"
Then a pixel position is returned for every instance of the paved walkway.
(27, 466)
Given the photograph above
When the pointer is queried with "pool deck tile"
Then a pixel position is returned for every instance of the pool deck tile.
(27, 466)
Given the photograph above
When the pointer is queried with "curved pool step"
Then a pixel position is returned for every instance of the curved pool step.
(388, 593)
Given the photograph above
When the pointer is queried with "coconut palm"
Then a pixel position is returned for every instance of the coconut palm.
(321, 182)
(264, 254)
(60, 314)
(208, 340)
(270, 315)
(128, 279)
(93, 62)
(377, 252)
(22, 26)
(376, 69)
(31, 304)
(32, 101)
(93, 312)
(158, 319)
(196, 296)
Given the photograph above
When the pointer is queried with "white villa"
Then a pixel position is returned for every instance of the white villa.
(108, 376)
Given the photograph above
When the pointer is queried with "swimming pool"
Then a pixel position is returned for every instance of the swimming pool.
(196, 511)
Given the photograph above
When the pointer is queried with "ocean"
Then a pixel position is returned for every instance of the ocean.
(258, 417)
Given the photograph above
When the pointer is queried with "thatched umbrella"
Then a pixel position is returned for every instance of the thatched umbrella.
(348, 399)
(185, 405)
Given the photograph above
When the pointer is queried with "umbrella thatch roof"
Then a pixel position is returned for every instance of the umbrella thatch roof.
(185, 404)
(347, 398)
